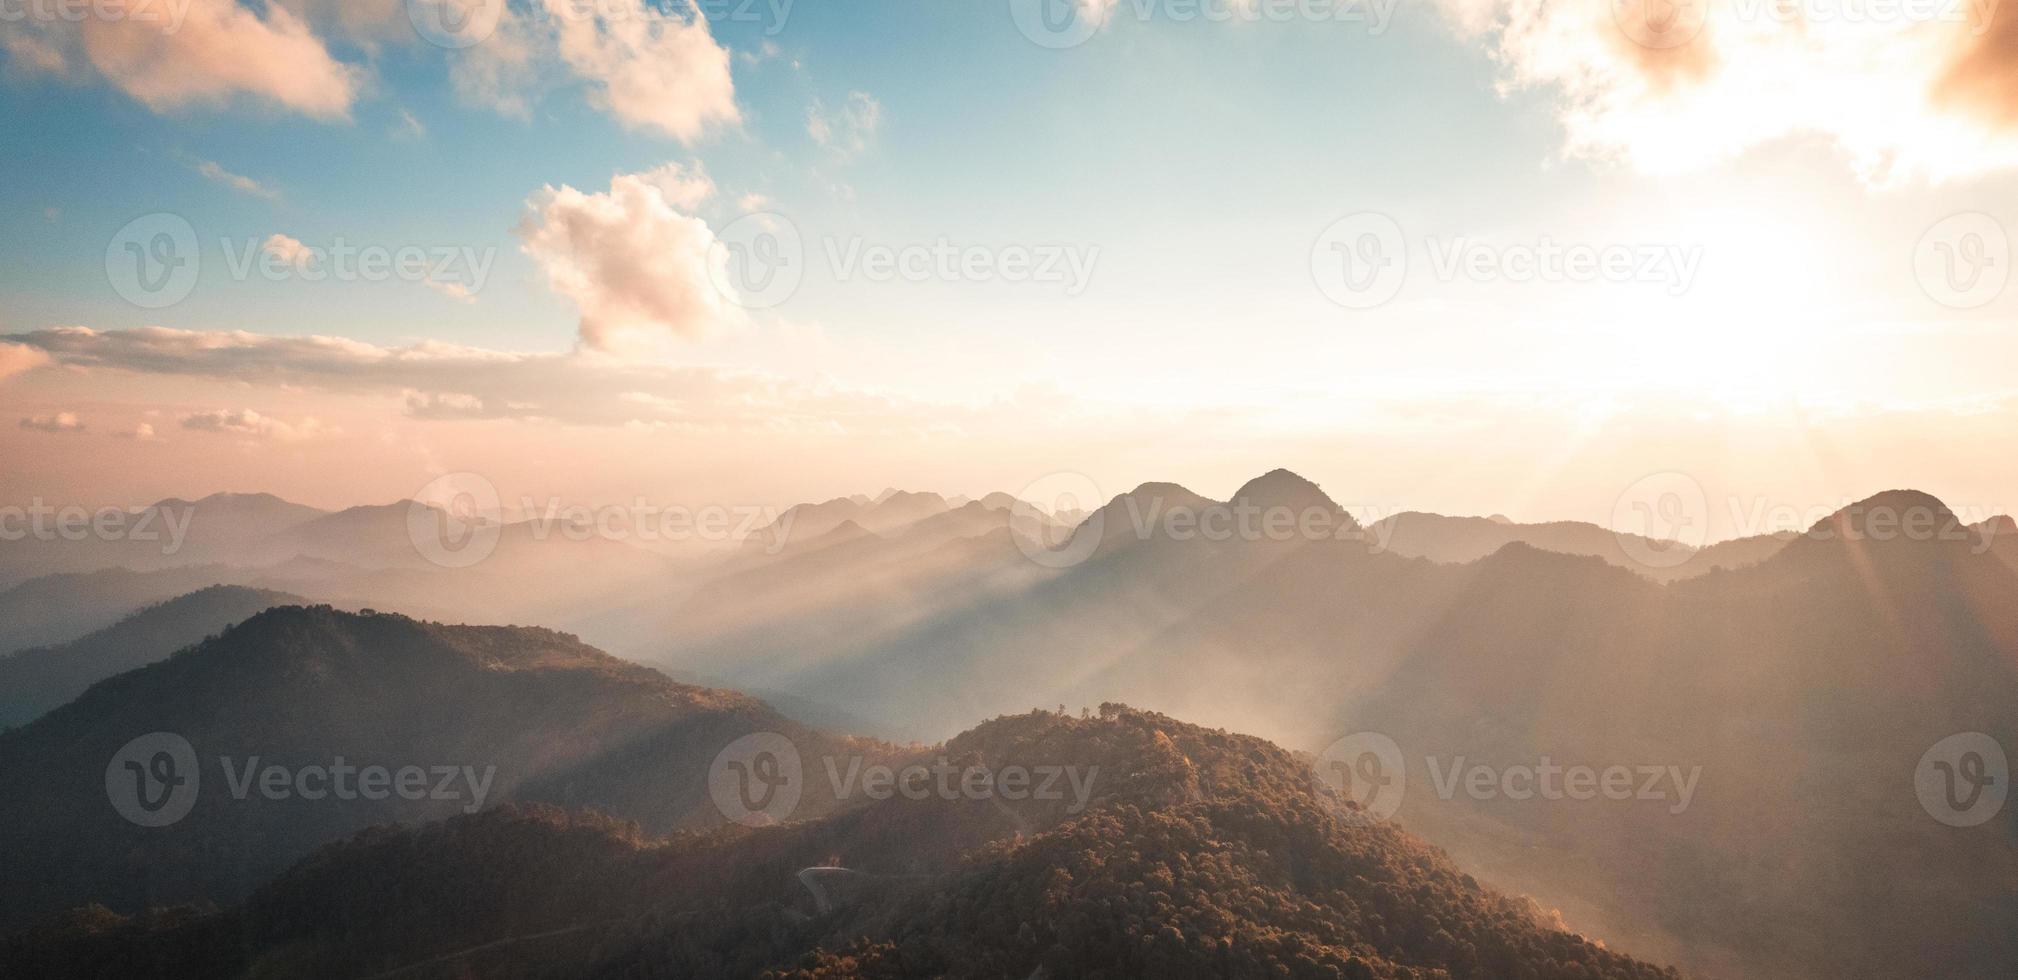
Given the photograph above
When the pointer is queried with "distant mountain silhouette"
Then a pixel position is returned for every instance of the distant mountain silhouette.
(1457, 540)
(1199, 853)
(36, 680)
(299, 687)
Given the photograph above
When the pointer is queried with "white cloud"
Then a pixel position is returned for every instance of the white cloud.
(406, 127)
(142, 432)
(656, 68)
(64, 422)
(17, 359)
(633, 263)
(194, 53)
(453, 290)
(436, 381)
(1923, 93)
(848, 130)
(250, 424)
(242, 184)
(288, 250)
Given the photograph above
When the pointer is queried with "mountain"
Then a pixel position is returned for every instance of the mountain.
(167, 534)
(1458, 540)
(480, 714)
(1804, 691)
(59, 608)
(1190, 853)
(34, 681)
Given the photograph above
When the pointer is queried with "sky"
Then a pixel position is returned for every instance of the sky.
(1470, 256)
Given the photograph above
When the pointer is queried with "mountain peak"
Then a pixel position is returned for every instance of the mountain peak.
(1283, 489)
(1888, 514)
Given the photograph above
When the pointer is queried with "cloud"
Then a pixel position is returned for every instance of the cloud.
(175, 56)
(848, 130)
(287, 249)
(633, 263)
(143, 432)
(250, 424)
(656, 68)
(753, 202)
(17, 359)
(439, 381)
(1906, 91)
(453, 290)
(241, 184)
(58, 422)
(406, 127)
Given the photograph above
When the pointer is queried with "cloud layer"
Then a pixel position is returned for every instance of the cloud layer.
(439, 381)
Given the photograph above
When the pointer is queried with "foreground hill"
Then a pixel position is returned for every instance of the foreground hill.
(1196, 854)
(479, 714)
(34, 681)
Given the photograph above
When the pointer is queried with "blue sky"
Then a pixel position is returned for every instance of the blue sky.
(1779, 194)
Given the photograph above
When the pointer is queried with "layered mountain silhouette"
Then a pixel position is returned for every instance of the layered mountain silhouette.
(512, 713)
(34, 681)
(1197, 853)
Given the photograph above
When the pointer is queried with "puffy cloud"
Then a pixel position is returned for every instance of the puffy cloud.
(652, 67)
(633, 263)
(198, 52)
(848, 130)
(250, 424)
(142, 432)
(57, 422)
(17, 358)
(1905, 90)
(439, 381)
(656, 68)
(287, 249)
